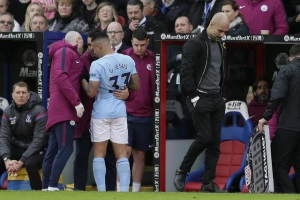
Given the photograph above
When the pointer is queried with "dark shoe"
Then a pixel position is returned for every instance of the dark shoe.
(212, 187)
(179, 180)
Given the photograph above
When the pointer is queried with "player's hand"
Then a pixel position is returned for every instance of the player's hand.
(261, 123)
(79, 110)
(122, 94)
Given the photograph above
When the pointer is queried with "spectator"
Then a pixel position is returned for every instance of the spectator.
(201, 79)
(271, 11)
(3, 8)
(65, 106)
(182, 26)
(88, 11)
(237, 22)
(105, 14)
(173, 9)
(6, 22)
(152, 9)
(31, 10)
(66, 18)
(18, 9)
(140, 109)
(120, 6)
(48, 6)
(23, 134)
(138, 20)
(115, 33)
(285, 144)
(38, 23)
(202, 11)
(108, 120)
(257, 106)
(293, 15)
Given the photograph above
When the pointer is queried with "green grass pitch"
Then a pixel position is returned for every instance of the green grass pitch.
(74, 195)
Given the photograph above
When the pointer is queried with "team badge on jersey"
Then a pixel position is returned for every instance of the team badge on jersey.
(149, 67)
(28, 119)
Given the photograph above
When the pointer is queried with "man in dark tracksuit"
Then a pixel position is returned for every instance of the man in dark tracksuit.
(23, 137)
(285, 146)
(202, 77)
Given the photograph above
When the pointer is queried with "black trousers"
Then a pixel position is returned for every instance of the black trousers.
(81, 162)
(32, 165)
(285, 148)
(207, 118)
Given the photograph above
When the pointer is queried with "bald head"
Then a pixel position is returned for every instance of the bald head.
(74, 38)
(220, 18)
(71, 37)
(115, 33)
(115, 25)
(218, 26)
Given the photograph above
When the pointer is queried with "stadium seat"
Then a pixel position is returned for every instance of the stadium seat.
(3, 103)
(3, 181)
(235, 135)
(20, 180)
(121, 20)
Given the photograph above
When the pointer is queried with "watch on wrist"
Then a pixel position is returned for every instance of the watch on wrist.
(5, 159)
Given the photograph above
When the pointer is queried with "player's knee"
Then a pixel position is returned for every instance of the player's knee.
(138, 155)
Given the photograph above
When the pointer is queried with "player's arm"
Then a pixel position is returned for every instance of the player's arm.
(90, 87)
(134, 83)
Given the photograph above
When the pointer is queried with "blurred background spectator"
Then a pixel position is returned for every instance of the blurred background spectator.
(66, 18)
(48, 6)
(3, 8)
(32, 9)
(105, 14)
(266, 15)
(18, 9)
(172, 9)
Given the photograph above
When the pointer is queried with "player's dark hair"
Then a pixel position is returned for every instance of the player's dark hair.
(139, 34)
(99, 36)
(92, 33)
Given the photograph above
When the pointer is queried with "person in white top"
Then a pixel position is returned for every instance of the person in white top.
(3, 8)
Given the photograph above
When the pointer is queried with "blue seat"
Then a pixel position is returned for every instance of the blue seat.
(235, 134)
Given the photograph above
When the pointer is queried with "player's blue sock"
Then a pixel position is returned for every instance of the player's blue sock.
(124, 174)
(99, 170)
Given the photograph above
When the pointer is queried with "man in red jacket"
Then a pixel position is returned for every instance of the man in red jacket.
(65, 106)
(257, 106)
(264, 15)
(140, 109)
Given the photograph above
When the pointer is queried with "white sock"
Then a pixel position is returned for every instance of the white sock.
(45, 190)
(136, 186)
(53, 189)
(118, 186)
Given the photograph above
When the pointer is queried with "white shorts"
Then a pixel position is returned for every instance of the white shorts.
(114, 130)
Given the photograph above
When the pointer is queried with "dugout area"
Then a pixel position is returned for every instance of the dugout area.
(173, 130)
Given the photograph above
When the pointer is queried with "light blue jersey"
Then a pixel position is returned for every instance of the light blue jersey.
(113, 71)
